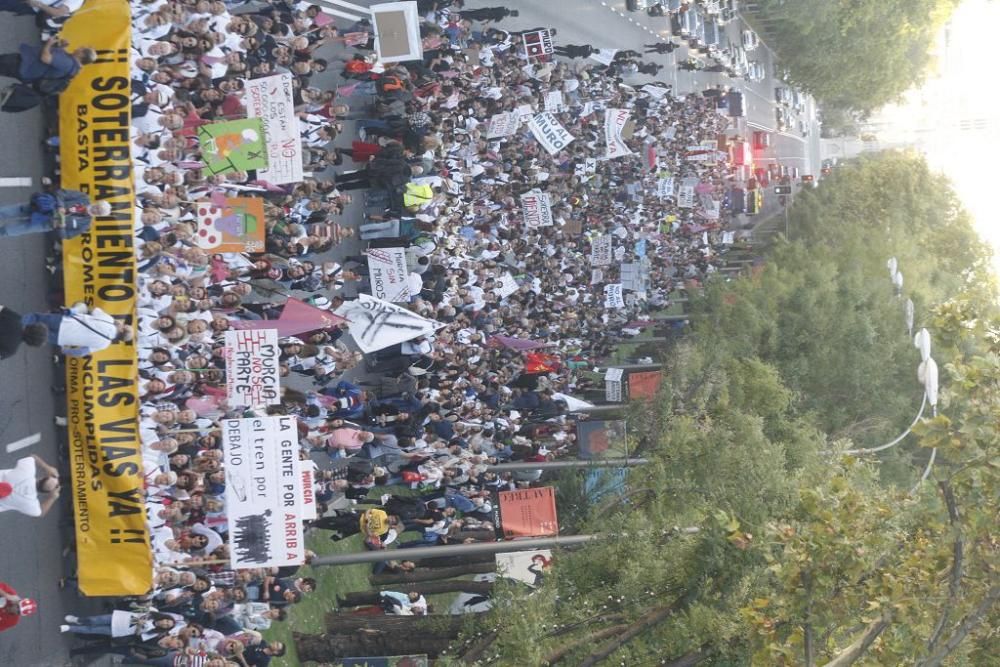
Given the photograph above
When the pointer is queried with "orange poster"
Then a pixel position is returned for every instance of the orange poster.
(644, 385)
(529, 512)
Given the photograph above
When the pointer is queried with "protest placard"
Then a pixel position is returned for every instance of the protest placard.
(604, 56)
(614, 298)
(503, 125)
(388, 273)
(554, 101)
(233, 145)
(252, 369)
(538, 43)
(550, 134)
(601, 250)
(536, 209)
(376, 324)
(505, 285)
(309, 469)
(685, 196)
(270, 99)
(528, 512)
(614, 123)
(230, 224)
(613, 385)
(665, 188)
(263, 492)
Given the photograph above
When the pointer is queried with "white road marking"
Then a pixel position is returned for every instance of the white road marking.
(24, 442)
(15, 182)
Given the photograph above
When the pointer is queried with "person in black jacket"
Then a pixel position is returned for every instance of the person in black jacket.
(13, 333)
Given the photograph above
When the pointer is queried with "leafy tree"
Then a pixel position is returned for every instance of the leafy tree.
(797, 553)
(853, 55)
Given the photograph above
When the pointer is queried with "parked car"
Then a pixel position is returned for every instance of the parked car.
(755, 202)
(803, 127)
(761, 139)
(774, 171)
(712, 37)
(782, 96)
(750, 40)
(794, 173)
(755, 72)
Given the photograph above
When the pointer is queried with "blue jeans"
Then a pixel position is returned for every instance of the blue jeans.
(93, 625)
(16, 221)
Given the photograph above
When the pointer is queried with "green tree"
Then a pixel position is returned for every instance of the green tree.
(853, 55)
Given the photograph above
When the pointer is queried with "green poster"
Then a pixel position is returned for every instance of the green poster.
(233, 145)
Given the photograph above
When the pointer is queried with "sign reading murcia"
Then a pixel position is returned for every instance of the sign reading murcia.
(252, 368)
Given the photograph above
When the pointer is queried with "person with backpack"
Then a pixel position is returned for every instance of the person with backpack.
(81, 331)
(68, 211)
(42, 72)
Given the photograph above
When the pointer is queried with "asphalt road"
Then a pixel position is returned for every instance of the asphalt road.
(31, 560)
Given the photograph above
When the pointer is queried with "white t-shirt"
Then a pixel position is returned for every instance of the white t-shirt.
(24, 497)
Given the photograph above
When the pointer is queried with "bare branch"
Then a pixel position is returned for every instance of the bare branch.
(853, 652)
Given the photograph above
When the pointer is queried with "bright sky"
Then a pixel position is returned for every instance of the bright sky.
(964, 88)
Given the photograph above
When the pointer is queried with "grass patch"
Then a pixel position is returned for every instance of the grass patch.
(308, 615)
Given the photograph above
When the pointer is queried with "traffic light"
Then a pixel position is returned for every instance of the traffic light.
(783, 190)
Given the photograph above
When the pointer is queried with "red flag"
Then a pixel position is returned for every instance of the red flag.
(298, 317)
(536, 362)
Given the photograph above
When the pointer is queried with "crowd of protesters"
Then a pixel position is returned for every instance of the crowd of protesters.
(491, 384)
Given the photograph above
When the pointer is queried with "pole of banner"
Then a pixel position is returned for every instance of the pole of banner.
(476, 548)
(198, 562)
(557, 465)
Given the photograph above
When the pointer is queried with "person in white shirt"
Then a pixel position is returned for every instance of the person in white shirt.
(21, 486)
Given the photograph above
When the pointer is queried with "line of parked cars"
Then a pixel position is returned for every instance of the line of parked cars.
(788, 114)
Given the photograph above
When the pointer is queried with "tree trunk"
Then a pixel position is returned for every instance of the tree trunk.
(346, 623)
(853, 652)
(688, 659)
(558, 654)
(330, 648)
(449, 561)
(967, 625)
(362, 598)
(650, 619)
(433, 574)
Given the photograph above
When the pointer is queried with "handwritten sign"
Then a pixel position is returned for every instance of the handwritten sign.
(536, 209)
(252, 373)
(601, 250)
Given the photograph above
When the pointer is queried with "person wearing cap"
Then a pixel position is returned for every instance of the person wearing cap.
(68, 211)
(13, 607)
(22, 485)
(80, 331)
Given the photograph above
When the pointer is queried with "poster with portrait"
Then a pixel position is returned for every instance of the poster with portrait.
(528, 567)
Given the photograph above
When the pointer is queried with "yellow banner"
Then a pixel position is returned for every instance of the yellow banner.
(94, 114)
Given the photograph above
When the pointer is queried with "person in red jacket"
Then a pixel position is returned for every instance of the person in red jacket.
(13, 607)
